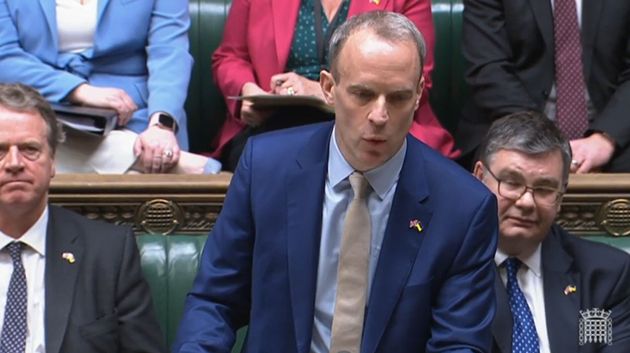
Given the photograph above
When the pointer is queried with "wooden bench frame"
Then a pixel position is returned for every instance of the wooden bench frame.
(596, 204)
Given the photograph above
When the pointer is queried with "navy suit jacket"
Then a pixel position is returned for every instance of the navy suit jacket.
(140, 46)
(432, 290)
(601, 276)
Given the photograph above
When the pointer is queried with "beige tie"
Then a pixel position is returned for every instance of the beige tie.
(352, 273)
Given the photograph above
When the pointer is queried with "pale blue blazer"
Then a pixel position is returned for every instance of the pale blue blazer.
(140, 46)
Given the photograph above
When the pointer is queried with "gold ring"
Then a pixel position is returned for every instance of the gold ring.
(291, 91)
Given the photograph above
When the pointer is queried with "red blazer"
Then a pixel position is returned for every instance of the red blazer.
(256, 44)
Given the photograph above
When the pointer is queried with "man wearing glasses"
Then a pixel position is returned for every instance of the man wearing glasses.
(546, 276)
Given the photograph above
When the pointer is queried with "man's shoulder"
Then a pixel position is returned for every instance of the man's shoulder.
(64, 218)
(442, 172)
(286, 138)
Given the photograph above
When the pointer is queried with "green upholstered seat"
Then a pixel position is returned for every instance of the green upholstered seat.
(622, 243)
(170, 265)
(449, 89)
(205, 106)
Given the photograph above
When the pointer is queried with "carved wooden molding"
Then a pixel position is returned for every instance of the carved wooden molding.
(597, 204)
(594, 204)
(156, 204)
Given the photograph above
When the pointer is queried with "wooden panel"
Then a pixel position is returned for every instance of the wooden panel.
(595, 204)
(154, 204)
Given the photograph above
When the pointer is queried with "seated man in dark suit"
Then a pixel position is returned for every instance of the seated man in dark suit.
(341, 237)
(68, 284)
(567, 58)
(553, 288)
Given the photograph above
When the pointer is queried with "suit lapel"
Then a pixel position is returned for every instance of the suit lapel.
(285, 15)
(562, 310)
(60, 277)
(591, 13)
(305, 197)
(400, 246)
(544, 18)
(503, 322)
(49, 9)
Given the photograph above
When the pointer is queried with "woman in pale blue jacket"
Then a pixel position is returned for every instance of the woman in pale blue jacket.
(128, 55)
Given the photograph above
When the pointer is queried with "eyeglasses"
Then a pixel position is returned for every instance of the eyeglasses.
(30, 151)
(514, 190)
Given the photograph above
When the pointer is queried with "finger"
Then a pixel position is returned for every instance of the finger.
(585, 167)
(137, 147)
(147, 158)
(156, 163)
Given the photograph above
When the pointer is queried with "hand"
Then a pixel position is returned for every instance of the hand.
(249, 114)
(290, 83)
(105, 97)
(157, 150)
(591, 153)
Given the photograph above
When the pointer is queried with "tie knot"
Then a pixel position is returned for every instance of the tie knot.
(512, 265)
(15, 250)
(359, 185)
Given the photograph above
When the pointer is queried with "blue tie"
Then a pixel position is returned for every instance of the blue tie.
(524, 336)
(13, 338)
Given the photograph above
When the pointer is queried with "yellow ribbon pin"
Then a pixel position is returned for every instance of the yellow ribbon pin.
(570, 289)
(68, 256)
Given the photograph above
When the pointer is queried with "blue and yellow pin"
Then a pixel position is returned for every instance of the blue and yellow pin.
(570, 289)
(415, 224)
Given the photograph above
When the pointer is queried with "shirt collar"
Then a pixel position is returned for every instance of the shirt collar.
(532, 262)
(381, 178)
(35, 237)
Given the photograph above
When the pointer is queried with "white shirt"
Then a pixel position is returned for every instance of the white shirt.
(76, 25)
(34, 261)
(530, 281)
(337, 195)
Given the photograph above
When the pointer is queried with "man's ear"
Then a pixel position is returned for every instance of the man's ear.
(419, 91)
(327, 82)
(478, 170)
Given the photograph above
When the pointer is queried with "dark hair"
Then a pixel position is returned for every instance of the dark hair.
(528, 132)
(21, 98)
(390, 26)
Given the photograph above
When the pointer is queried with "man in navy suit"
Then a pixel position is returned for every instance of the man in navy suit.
(272, 260)
(525, 161)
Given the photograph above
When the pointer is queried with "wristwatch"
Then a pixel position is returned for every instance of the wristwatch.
(166, 121)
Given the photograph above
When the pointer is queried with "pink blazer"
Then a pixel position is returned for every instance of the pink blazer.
(256, 44)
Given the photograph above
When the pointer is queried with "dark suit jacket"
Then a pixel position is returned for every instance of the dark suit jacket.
(101, 302)
(601, 275)
(432, 290)
(509, 47)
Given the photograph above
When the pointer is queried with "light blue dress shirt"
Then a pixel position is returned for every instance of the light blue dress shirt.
(338, 194)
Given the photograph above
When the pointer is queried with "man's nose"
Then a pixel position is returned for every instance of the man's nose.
(13, 160)
(527, 199)
(378, 114)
